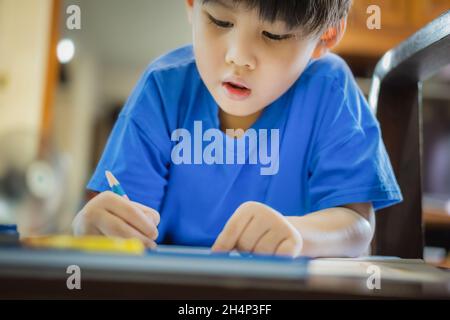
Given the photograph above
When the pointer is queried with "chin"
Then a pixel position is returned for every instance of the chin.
(238, 110)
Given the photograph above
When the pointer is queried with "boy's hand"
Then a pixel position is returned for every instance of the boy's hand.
(257, 228)
(112, 215)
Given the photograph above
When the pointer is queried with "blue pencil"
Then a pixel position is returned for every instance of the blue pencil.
(115, 185)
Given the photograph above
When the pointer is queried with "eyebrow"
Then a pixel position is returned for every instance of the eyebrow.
(223, 3)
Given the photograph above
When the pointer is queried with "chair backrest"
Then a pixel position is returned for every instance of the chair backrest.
(396, 97)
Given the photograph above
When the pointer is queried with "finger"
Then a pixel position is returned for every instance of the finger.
(112, 226)
(269, 242)
(251, 235)
(149, 211)
(227, 239)
(289, 248)
(131, 214)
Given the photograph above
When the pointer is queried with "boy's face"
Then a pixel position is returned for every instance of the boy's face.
(233, 46)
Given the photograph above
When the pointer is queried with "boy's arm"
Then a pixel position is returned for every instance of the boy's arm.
(336, 232)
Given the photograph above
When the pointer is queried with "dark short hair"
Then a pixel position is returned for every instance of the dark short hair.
(314, 16)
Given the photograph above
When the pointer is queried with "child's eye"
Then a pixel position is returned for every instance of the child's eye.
(276, 37)
(219, 23)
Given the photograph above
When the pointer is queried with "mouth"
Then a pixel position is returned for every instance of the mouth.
(236, 91)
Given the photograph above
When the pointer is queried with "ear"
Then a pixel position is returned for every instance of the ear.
(189, 8)
(330, 39)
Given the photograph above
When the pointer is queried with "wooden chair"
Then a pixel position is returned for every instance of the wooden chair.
(396, 97)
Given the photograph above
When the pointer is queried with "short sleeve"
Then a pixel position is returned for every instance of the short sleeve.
(349, 163)
(138, 148)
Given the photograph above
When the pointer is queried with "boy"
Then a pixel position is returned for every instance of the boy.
(263, 67)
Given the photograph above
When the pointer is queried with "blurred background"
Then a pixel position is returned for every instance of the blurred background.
(61, 91)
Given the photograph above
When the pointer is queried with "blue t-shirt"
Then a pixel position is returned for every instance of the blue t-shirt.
(330, 150)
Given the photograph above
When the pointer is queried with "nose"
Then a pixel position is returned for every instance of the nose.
(240, 54)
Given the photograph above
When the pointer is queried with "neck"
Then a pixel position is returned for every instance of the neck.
(228, 121)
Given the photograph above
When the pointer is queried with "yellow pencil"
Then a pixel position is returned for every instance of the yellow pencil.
(87, 243)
